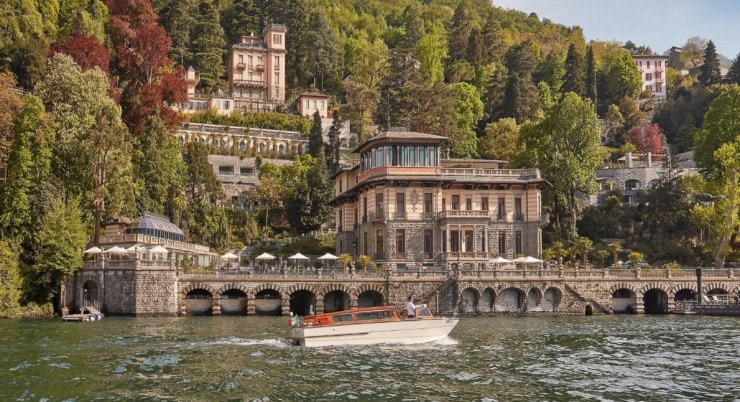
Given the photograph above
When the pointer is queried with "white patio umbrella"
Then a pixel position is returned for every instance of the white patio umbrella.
(265, 256)
(229, 256)
(135, 248)
(158, 250)
(297, 256)
(115, 250)
(93, 250)
(500, 260)
(328, 256)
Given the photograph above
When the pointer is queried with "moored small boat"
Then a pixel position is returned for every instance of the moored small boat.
(370, 325)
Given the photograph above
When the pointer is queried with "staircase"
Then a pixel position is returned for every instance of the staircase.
(444, 297)
(599, 307)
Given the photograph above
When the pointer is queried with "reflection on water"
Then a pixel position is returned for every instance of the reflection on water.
(487, 359)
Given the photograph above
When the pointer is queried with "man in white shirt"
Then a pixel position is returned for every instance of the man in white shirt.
(410, 308)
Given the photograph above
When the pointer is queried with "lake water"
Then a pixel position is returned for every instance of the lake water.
(597, 358)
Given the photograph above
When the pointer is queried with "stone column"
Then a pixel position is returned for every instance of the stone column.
(319, 304)
(216, 305)
(251, 310)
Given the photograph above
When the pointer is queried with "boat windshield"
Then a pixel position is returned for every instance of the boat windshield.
(423, 312)
(373, 315)
(346, 317)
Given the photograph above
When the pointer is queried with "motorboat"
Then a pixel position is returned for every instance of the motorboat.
(370, 325)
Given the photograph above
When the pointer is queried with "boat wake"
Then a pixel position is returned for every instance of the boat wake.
(233, 340)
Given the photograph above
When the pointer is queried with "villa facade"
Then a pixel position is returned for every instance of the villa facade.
(408, 207)
(653, 74)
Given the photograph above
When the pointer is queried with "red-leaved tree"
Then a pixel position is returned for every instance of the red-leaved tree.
(151, 84)
(647, 138)
(88, 53)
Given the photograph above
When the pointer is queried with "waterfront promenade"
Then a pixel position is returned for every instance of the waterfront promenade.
(146, 288)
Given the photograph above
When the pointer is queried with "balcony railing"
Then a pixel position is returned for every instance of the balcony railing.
(400, 215)
(463, 214)
(377, 215)
(250, 83)
(507, 173)
(241, 66)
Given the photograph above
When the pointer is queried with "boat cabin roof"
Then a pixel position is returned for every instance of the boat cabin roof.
(363, 314)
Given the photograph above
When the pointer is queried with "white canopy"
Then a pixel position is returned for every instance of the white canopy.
(328, 256)
(115, 250)
(500, 260)
(265, 256)
(229, 256)
(297, 256)
(527, 260)
(135, 248)
(93, 250)
(158, 249)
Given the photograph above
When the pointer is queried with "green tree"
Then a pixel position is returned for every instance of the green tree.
(583, 246)
(61, 238)
(203, 193)
(332, 161)
(11, 106)
(431, 51)
(459, 32)
(361, 104)
(323, 59)
(591, 92)
(710, 71)
(565, 147)
(10, 281)
(87, 17)
(307, 206)
(733, 74)
(692, 51)
(468, 110)
(208, 47)
(500, 140)
(721, 125)
(92, 149)
(413, 26)
(241, 17)
(614, 248)
(29, 168)
(575, 69)
(178, 18)
(316, 137)
(553, 71)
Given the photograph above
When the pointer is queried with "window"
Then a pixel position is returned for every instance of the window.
(250, 59)
(277, 77)
(484, 204)
(658, 63)
(259, 60)
(648, 64)
(428, 243)
(518, 242)
(455, 241)
(308, 104)
(379, 203)
(246, 171)
(314, 105)
(277, 61)
(227, 105)
(277, 39)
(400, 242)
(658, 88)
(632, 184)
(518, 215)
(427, 203)
(225, 170)
(400, 204)
(379, 249)
(364, 209)
(658, 75)
(323, 105)
(468, 204)
(502, 243)
(340, 221)
(648, 76)
(455, 202)
(444, 202)
(241, 59)
(469, 243)
(501, 208)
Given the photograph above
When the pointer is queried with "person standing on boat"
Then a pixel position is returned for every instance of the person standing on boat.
(410, 308)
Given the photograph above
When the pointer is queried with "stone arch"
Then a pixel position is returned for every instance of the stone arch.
(336, 297)
(233, 299)
(487, 300)
(181, 140)
(90, 293)
(655, 298)
(510, 299)
(534, 299)
(242, 145)
(302, 301)
(268, 299)
(632, 184)
(623, 298)
(281, 148)
(198, 285)
(468, 302)
(552, 298)
(684, 294)
(717, 288)
(369, 295)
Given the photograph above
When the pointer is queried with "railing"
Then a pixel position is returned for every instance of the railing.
(400, 215)
(454, 213)
(241, 66)
(250, 83)
(377, 215)
(508, 173)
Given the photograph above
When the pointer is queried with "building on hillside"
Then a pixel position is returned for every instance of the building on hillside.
(256, 71)
(635, 173)
(408, 207)
(311, 102)
(652, 71)
(234, 152)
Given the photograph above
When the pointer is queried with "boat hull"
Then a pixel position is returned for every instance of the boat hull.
(396, 332)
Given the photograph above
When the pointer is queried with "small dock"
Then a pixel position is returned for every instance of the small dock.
(88, 313)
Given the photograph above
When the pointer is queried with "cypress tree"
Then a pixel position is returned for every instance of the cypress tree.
(574, 72)
(208, 47)
(710, 73)
(591, 92)
(315, 138)
(733, 75)
(332, 160)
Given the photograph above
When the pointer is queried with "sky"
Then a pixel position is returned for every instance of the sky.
(658, 24)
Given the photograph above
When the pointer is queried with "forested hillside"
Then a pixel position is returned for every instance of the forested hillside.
(93, 138)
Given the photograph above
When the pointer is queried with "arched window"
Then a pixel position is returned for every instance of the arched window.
(632, 184)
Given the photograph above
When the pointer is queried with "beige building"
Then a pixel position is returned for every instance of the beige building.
(256, 71)
(407, 206)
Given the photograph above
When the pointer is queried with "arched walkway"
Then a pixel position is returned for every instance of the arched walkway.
(268, 302)
(624, 301)
(510, 300)
(655, 301)
(370, 298)
(303, 302)
(233, 302)
(336, 300)
(552, 299)
(469, 301)
(199, 302)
